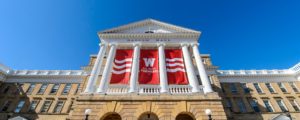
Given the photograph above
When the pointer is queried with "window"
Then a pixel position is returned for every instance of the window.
(19, 106)
(268, 106)
(54, 89)
(292, 84)
(270, 88)
(33, 105)
(228, 104)
(77, 89)
(199, 79)
(30, 89)
(42, 89)
(58, 106)
(233, 88)
(257, 87)
(282, 87)
(6, 89)
(281, 105)
(46, 106)
(67, 88)
(222, 87)
(254, 105)
(6, 106)
(245, 88)
(294, 104)
(241, 105)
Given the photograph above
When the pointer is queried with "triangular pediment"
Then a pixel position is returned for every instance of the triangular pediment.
(148, 26)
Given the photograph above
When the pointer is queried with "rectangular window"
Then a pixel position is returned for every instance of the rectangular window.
(233, 88)
(282, 87)
(19, 106)
(6, 89)
(270, 88)
(292, 84)
(294, 104)
(245, 88)
(281, 105)
(42, 89)
(46, 106)
(228, 104)
(54, 89)
(254, 105)
(30, 89)
(67, 88)
(257, 87)
(33, 105)
(268, 106)
(58, 106)
(6, 106)
(77, 89)
(241, 105)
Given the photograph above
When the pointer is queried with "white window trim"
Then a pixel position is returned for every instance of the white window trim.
(259, 88)
(269, 104)
(281, 101)
(270, 87)
(295, 102)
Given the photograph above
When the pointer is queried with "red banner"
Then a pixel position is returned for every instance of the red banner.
(122, 67)
(175, 67)
(149, 73)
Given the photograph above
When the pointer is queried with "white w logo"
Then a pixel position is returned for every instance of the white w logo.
(149, 61)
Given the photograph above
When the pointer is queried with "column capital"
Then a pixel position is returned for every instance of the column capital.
(161, 44)
(194, 44)
(184, 44)
(113, 44)
(137, 44)
(102, 44)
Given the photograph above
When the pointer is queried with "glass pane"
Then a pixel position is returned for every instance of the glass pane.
(20, 106)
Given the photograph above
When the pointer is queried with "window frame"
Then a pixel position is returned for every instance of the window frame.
(30, 88)
(294, 87)
(282, 87)
(19, 106)
(296, 104)
(259, 87)
(54, 87)
(33, 110)
(6, 105)
(65, 87)
(43, 106)
(43, 88)
(62, 106)
(283, 108)
(270, 105)
(241, 105)
(233, 88)
(270, 87)
(251, 101)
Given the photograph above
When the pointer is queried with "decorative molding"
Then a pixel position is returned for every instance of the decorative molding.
(296, 68)
(44, 79)
(252, 79)
(47, 73)
(254, 72)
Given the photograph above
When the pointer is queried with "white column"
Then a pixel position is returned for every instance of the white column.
(96, 70)
(135, 68)
(204, 78)
(107, 69)
(162, 69)
(190, 69)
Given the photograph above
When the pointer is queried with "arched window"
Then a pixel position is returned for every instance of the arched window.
(185, 116)
(148, 116)
(112, 116)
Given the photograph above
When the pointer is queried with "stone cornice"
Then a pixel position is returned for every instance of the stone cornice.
(47, 73)
(149, 36)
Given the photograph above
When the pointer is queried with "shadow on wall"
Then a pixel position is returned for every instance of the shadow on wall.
(15, 103)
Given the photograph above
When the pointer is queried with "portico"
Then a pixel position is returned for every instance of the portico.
(159, 36)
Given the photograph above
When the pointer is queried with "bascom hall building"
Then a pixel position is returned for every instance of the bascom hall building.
(150, 70)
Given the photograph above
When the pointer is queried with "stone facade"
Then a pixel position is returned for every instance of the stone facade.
(235, 94)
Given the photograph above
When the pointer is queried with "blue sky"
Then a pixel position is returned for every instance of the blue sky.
(239, 34)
